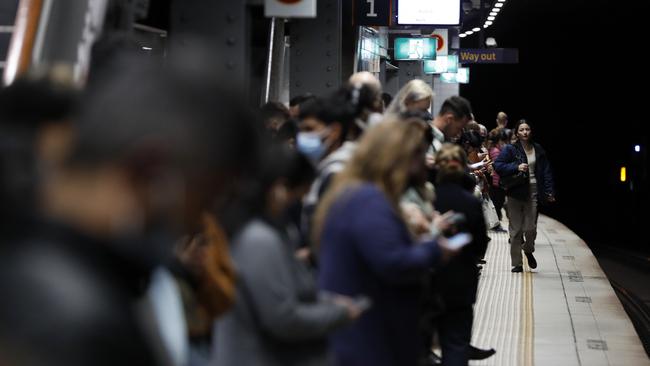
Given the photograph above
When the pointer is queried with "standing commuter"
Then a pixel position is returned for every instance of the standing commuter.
(457, 282)
(525, 164)
(366, 248)
(279, 317)
(416, 95)
(497, 139)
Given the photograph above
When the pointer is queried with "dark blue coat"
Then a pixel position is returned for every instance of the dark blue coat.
(366, 249)
(507, 164)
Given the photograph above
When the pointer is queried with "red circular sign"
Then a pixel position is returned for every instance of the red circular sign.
(441, 41)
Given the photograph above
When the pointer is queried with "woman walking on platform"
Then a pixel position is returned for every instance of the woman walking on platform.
(526, 175)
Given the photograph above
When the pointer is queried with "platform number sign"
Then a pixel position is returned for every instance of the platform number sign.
(372, 12)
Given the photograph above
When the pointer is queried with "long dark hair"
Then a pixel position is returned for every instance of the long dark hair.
(521, 122)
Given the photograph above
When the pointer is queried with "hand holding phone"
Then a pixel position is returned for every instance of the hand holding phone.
(458, 241)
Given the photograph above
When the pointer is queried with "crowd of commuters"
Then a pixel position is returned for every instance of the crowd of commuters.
(152, 219)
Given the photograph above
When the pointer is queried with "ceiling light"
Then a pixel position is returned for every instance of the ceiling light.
(496, 10)
(498, 5)
(147, 48)
(490, 42)
(485, 26)
(489, 22)
(469, 33)
(491, 18)
(463, 35)
(476, 29)
(494, 13)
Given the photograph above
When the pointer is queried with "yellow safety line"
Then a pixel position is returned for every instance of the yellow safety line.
(527, 324)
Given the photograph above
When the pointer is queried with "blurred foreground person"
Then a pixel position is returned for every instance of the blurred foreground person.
(366, 249)
(148, 159)
(279, 318)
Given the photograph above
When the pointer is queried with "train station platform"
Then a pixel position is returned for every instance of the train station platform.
(565, 312)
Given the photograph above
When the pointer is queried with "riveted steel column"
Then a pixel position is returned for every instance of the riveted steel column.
(222, 24)
(316, 51)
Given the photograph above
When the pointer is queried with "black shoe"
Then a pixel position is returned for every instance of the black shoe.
(532, 263)
(481, 261)
(480, 354)
(499, 229)
(517, 269)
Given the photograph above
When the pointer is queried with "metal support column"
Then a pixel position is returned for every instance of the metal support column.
(274, 73)
(219, 24)
(316, 51)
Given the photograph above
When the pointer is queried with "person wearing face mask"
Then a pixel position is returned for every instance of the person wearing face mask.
(324, 127)
(535, 188)
(279, 318)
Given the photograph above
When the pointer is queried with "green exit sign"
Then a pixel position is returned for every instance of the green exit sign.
(415, 48)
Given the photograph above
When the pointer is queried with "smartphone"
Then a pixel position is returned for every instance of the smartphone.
(459, 240)
(457, 218)
(363, 302)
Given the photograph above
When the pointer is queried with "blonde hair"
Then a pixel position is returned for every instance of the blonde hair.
(414, 91)
(383, 157)
(451, 162)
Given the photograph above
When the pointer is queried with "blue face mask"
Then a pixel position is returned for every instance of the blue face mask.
(311, 145)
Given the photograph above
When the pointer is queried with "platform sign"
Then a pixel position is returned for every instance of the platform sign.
(290, 8)
(442, 64)
(372, 12)
(415, 49)
(489, 56)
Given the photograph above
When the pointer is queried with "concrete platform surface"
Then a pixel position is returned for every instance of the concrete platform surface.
(563, 313)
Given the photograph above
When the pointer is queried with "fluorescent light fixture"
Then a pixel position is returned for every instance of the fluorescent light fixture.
(147, 48)
(637, 148)
(502, 1)
(498, 5)
(469, 33)
(485, 26)
(462, 35)
(494, 13)
(491, 18)
(476, 29)
(489, 22)
(496, 10)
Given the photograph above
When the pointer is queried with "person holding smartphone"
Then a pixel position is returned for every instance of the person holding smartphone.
(523, 199)
(457, 282)
(365, 247)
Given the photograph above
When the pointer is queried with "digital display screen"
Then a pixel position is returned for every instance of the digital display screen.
(415, 48)
(428, 12)
(441, 64)
(460, 77)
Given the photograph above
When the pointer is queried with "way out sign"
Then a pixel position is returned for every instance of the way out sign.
(489, 56)
(290, 8)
